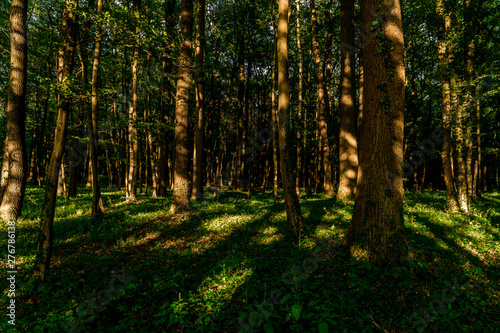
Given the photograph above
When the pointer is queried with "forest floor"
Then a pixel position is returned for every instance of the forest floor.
(231, 264)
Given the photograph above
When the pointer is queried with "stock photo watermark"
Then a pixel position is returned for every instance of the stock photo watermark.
(12, 272)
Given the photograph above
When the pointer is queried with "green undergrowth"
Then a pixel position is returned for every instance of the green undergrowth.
(231, 264)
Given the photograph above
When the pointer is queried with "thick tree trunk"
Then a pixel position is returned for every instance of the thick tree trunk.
(348, 143)
(180, 200)
(15, 158)
(200, 103)
(377, 222)
(322, 108)
(293, 213)
(65, 68)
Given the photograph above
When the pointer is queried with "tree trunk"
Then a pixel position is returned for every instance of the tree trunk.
(180, 200)
(377, 221)
(65, 68)
(92, 117)
(322, 108)
(166, 93)
(200, 104)
(446, 108)
(12, 193)
(293, 213)
(299, 110)
(132, 125)
(348, 143)
(274, 127)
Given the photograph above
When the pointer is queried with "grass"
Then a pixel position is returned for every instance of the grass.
(231, 264)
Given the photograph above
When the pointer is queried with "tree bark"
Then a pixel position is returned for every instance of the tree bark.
(92, 117)
(180, 200)
(322, 108)
(299, 172)
(293, 212)
(446, 108)
(377, 222)
(132, 125)
(348, 143)
(200, 104)
(15, 157)
(65, 68)
(166, 93)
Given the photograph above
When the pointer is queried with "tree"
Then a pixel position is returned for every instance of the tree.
(377, 222)
(97, 206)
(132, 125)
(65, 61)
(15, 158)
(293, 213)
(348, 145)
(180, 199)
(200, 104)
(322, 105)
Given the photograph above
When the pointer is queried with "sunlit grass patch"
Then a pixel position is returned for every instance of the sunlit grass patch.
(226, 224)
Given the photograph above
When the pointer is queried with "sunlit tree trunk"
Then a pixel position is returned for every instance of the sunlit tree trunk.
(348, 145)
(15, 158)
(446, 108)
(65, 68)
(92, 117)
(293, 213)
(200, 103)
(180, 200)
(133, 133)
(377, 221)
(322, 106)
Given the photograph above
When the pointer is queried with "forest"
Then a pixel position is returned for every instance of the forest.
(250, 166)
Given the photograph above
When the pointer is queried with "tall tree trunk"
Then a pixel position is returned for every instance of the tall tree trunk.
(293, 213)
(446, 108)
(132, 127)
(377, 221)
(35, 137)
(166, 93)
(92, 117)
(322, 107)
(12, 193)
(65, 68)
(180, 200)
(274, 125)
(299, 173)
(348, 143)
(200, 104)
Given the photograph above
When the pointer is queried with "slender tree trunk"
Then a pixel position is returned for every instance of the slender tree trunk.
(348, 143)
(166, 93)
(133, 173)
(293, 212)
(180, 200)
(274, 127)
(12, 193)
(35, 137)
(377, 222)
(92, 117)
(322, 107)
(446, 109)
(299, 172)
(200, 104)
(65, 68)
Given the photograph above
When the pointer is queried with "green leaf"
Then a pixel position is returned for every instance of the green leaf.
(296, 310)
(287, 318)
(323, 327)
(268, 328)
